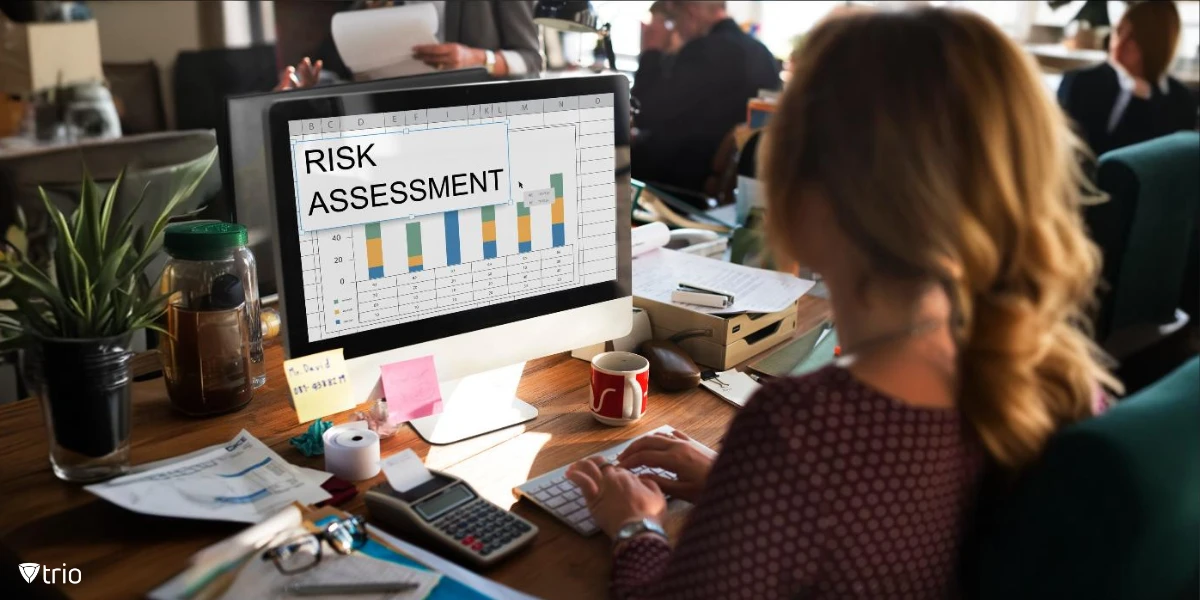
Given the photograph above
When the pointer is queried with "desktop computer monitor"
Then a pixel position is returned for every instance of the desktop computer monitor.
(478, 224)
(244, 159)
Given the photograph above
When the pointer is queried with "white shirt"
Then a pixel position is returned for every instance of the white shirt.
(516, 64)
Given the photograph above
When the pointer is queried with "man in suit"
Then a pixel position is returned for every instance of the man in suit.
(690, 101)
(1131, 98)
(499, 35)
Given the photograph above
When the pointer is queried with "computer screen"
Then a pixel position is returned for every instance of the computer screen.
(244, 159)
(403, 216)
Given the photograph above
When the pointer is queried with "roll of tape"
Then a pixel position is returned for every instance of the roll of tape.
(352, 451)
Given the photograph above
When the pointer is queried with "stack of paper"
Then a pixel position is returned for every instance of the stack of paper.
(659, 272)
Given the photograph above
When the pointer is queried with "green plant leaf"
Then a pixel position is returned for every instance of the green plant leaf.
(110, 202)
(36, 318)
(44, 288)
(189, 178)
(126, 228)
(80, 267)
(107, 280)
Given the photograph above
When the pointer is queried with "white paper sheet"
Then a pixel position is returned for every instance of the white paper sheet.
(243, 481)
(658, 273)
(261, 580)
(405, 471)
(378, 42)
(732, 386)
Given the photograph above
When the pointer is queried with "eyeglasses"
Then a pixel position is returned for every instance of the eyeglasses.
(301, 550)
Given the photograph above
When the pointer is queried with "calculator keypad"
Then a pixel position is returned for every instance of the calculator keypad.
(482, 527)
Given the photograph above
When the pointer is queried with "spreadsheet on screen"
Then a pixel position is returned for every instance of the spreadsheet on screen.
(413, 214)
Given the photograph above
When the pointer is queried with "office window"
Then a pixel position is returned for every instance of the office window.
(1006, 15)
(783, 22)
(1063, 15)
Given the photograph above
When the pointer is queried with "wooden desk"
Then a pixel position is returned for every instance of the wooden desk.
(123, 554)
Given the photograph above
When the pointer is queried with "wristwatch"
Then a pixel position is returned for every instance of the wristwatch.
(489, 61)
(629, 530)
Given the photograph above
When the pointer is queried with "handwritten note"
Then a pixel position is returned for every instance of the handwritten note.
(412, 390)
(318, 384)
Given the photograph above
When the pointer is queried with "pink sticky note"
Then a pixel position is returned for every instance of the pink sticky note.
(411, 389)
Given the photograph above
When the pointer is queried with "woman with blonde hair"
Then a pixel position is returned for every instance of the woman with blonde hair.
(916, 163)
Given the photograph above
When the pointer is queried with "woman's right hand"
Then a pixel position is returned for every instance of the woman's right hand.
(673, 452)
(302, 75)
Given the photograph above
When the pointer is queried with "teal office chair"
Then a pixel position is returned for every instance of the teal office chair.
(1111, 511)
(1146, 232)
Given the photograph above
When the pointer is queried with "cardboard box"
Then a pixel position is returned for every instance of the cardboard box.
(33, 54)
(733, 340)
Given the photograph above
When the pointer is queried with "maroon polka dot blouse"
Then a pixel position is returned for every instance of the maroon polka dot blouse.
(824, 488)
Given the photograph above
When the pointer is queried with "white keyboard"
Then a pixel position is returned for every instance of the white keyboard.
(557, 495)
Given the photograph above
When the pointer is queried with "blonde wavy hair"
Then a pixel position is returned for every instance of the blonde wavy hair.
(944, 160)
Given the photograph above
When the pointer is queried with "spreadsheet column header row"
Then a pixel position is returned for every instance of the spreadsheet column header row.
(429, 116)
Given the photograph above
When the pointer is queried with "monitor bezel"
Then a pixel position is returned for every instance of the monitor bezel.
(364, 343)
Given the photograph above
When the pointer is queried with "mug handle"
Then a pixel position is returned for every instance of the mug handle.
(633, 402)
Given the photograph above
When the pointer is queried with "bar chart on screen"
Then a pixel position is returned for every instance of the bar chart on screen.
(555, 231)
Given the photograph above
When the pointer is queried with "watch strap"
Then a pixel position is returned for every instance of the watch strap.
(632, 529)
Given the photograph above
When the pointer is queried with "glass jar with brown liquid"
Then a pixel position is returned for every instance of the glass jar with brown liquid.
(212, 357)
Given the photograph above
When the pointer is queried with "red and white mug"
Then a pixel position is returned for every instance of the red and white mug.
(620, 385)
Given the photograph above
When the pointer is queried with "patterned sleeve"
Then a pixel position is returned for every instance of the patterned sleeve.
(753, 532)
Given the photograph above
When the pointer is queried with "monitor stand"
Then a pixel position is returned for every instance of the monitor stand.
(475, 405)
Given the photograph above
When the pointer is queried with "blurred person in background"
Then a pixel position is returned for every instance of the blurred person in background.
(690, 101)
(660, 25)
(1131, 98)
(497, 34)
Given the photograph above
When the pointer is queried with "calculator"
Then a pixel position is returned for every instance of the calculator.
(448, 512)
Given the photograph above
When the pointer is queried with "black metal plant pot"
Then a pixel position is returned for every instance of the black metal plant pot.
(84, 388)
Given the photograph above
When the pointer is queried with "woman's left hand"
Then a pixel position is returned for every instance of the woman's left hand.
(449, 56)
(614, 495)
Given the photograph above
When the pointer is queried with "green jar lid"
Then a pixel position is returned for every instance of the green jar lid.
(203, 240)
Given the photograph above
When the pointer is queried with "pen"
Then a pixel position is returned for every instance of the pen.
(329, 589)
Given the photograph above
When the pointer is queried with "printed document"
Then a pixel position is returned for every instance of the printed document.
(242, 481)
(659, 272)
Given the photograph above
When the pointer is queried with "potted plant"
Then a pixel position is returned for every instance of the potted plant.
(73, 320)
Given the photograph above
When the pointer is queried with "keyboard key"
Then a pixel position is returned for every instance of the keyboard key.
(588, 524)
(566, 486)
(544, 495)
(555, 502)
(578, 516)
(574, 494)
(574, 506)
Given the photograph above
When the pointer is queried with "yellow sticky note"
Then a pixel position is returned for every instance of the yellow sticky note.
(318, 384)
